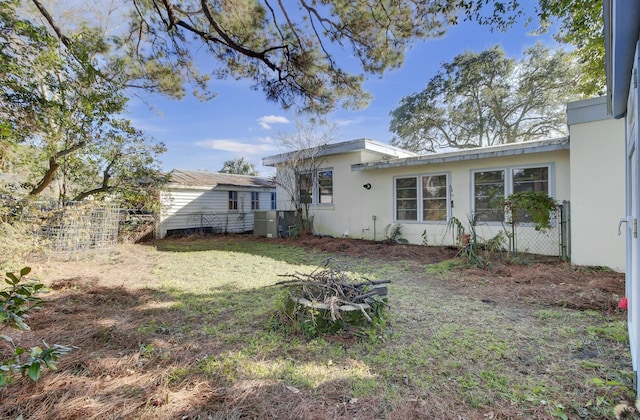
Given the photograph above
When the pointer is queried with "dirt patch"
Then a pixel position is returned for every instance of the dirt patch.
(359, 248)
(529, 279)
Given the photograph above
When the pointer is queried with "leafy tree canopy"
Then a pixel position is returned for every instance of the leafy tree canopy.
(62, 122)
(579, 23)
(487, 98)
(311, 55)
(238, 166)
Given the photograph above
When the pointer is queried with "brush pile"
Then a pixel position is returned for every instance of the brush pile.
(330, 299)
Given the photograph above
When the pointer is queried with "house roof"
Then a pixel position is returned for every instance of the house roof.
(383, 149)
(207, 179)
(512, 149)
(621, 30)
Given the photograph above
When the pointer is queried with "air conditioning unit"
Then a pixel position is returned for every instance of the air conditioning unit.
(265, 224)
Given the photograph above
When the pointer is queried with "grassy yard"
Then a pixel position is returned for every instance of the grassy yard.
(188, 329)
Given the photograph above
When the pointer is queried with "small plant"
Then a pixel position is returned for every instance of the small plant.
(425, 238)
(534, 206)
(15, 304)
(466, 242)
(455, 226)
(393, 234)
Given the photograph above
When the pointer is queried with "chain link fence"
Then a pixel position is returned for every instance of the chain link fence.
(554, 241)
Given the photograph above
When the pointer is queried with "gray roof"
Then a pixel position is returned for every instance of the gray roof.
(383, 149)
(207, 179)
(512, 149)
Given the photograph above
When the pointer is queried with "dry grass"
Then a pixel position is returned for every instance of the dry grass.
(185, 329)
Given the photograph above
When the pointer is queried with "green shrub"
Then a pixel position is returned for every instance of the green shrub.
(15, 304)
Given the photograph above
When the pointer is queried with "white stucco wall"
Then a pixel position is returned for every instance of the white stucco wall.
(355, 207)
(597, 186)
(590, 176)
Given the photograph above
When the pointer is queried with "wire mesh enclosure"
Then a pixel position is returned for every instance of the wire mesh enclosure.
(80, 227)
(553, 241)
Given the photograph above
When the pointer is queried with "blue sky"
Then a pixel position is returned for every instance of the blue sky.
(241, 122)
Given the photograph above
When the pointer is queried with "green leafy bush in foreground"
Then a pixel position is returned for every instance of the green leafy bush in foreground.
(16, 302)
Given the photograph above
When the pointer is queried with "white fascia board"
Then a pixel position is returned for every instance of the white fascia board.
(189, 187)
(220, 188)
(514, 149)
(345, 147)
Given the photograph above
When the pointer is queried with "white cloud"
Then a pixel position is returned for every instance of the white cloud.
(260, 147)
(266, 121)
(345, 122)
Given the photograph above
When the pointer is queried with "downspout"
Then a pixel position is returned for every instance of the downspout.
(374, 227)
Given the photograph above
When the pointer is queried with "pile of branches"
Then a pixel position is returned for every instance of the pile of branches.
(333, 291)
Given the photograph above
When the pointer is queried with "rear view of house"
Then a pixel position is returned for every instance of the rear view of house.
(361, 188)
(212, 202)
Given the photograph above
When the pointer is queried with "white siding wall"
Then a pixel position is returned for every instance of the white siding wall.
(194, 208)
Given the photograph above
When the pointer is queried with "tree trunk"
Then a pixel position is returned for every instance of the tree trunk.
(105, 187)
(53, 168)
(47, 178)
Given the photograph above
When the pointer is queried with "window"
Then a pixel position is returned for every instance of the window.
(488, 195)
(305, 188)
(233, 200)
(407, 198)
(255, 200)
(274, 203)
(316, 188)
(429, 203)
(434, 198)
(490, 188)
(325, 186)
(531, 179)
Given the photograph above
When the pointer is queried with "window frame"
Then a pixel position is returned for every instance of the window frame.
(315, 198)
(509, 184)
(255, 200)
(499, 210)
(274, 201)
(308, 175)
(319, 187)
(420, 197)
(233, 200)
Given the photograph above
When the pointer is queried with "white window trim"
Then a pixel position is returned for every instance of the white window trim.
(255, 204)
(508, 182)
(316, 185)
(237, 200)
(315, 193)
(420, 199)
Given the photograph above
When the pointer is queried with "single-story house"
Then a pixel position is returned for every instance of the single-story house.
(622, 56)
(368, 186)
(203, 201)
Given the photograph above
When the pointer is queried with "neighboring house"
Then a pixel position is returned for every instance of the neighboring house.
(622, 52)
(371, 191)
(203, 201)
